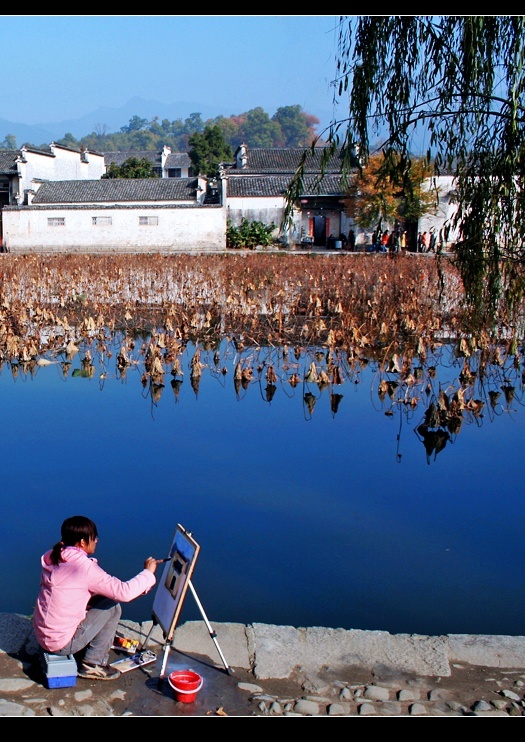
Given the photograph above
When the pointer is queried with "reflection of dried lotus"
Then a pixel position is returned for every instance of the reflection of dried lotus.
(294, 380)
(336, 375)
(176, 385)
(454, 424)
(335, 400)
(270, 391)
(271, 376)
(176, 369)
(475, 406)
(432, 416)
(323, 380)
(311, 375)
(156, 392)
(309, 400)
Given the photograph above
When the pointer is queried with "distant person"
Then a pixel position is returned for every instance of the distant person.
(77, 608)
(351, 240)
(395, 241)
(330, 242)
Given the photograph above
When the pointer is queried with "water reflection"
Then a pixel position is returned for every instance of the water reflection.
(436, 395)
(325, 487)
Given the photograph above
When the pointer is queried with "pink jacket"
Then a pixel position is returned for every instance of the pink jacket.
(66, 588)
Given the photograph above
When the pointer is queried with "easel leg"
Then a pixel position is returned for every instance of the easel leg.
(211, 631)
(165, 654)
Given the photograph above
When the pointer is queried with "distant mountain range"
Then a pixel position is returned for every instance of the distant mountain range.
(110, 120)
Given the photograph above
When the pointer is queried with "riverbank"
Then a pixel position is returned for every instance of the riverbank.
(267, 670)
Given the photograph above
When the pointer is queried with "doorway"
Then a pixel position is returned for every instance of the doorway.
(320, 231)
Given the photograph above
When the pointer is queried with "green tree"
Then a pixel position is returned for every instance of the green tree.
(230, 129)
(194, 124)
(9, 142)
(208, 150)
(294, 127)
(68, 140)
(135, 124)
(131, 168)
(461, 80)
(258, 130)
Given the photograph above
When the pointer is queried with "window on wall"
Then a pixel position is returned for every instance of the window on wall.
(174, 172)
(56, 221)
(98, 221)
(148, 221)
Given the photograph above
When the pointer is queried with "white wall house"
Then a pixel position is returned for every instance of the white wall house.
(56, 200)
(446, 207)
(60, 163)
(257, 181)
(155, 215)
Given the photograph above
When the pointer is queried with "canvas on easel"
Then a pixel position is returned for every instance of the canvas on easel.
(174, 581)
(171, 591)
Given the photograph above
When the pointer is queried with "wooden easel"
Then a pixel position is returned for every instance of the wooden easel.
(171, 591)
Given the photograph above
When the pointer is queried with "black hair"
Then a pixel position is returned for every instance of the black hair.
(73, 530)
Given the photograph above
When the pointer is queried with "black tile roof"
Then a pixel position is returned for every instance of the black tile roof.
(116, 190)
(120, 157)
(276, 185)
(8, 161)
(178, 159)
(287, 159)
(175, 159)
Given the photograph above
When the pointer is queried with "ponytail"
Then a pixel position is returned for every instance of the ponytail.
(56, 553)
(73, 531)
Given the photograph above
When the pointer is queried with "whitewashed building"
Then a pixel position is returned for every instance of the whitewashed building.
(22, 170)
(128, 215)
(57, 201)
(257, 181)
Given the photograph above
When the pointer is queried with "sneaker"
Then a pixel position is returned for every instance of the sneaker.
(97, 672)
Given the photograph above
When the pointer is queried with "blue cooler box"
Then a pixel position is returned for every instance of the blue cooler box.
(60, 672)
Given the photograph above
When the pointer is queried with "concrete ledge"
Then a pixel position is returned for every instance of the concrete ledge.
(486, 650)
(280, 649)
(270, 651)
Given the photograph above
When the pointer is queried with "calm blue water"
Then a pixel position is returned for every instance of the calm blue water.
(307, 518)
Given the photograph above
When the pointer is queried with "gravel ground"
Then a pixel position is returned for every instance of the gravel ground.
(468, 691)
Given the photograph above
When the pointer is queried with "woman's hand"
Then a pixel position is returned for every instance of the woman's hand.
(151, 564)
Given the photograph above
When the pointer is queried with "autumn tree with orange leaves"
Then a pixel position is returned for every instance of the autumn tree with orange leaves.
(375, 197)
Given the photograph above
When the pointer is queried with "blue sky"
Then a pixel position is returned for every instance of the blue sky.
(65, 66)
